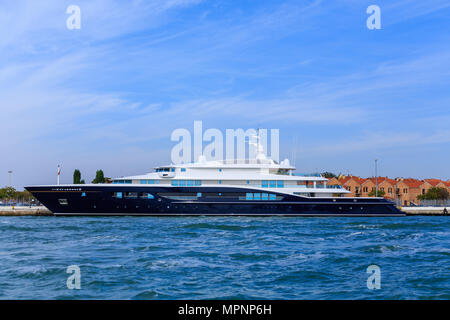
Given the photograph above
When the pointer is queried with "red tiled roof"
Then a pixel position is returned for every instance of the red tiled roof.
(434, 182)
(391, 181)
(412, 183)
(344, 179)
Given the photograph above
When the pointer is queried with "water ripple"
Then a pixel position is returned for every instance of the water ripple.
(224, 257)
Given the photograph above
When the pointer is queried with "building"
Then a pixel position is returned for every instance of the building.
(403, 191)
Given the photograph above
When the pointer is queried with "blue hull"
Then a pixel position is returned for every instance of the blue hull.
(178, 201)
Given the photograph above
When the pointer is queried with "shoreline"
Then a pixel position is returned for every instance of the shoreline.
(43, 211)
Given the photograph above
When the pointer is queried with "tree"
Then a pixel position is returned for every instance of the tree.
(99, 177)
(435, 193)
(329, 175)
(7, 193)
(381, 193)
(77, 177)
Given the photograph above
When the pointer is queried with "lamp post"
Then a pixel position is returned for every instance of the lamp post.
(10, 172)
(376, 178)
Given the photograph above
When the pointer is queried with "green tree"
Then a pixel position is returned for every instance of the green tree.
(77, 177)
(329, 175)
(2, 193)
(435, 193)
(8, 193)
(99, 177)
(381, 193)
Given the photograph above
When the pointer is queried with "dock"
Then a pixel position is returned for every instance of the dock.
(25, 211)
(426, 211)
(43, 211)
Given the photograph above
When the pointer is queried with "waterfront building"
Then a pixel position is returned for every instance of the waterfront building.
(403, 191)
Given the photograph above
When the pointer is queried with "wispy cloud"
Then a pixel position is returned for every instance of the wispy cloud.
(137, 70)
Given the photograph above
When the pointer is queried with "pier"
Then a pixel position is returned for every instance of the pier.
(25, 211)
(43, 211)
(426, 211)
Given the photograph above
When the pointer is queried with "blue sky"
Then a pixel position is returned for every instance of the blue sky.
(110, 94)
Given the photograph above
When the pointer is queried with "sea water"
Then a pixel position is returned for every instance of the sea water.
(224, 257)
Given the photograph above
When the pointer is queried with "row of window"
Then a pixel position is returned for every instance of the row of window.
(188, 183)
(260, 196)
(132, 195)
(149, 181)
(366, 189)
(169, 170)
(122, 181)
(272, 184)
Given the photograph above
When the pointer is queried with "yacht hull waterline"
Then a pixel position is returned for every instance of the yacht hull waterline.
(137, 200)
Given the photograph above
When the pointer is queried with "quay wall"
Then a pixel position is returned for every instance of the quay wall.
(43, 211)
(25, 211)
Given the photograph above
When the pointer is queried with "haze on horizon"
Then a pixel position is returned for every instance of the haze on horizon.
(108, 96)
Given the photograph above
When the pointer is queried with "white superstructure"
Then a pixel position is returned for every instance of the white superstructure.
(258, 173)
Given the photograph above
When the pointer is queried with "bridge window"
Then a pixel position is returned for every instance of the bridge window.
(260, 196)
(131, 195)
(184, 183)
(122, 181)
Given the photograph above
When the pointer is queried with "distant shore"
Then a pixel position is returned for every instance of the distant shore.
(43, 211)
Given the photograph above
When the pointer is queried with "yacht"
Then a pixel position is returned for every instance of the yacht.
(252, 187)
